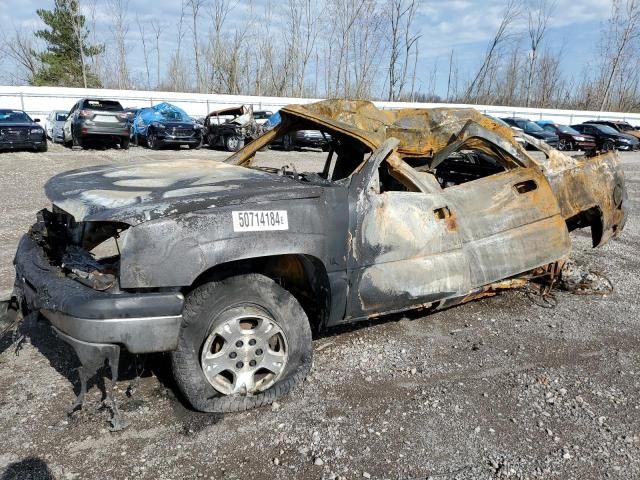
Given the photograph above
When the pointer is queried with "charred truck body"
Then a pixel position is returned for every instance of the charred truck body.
(231, 128)
(230, 266)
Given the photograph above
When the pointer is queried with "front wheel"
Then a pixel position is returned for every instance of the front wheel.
(565, 145)
(152, 140)
(608, 146)
(124, 143)
(233, 143)
(244, 342)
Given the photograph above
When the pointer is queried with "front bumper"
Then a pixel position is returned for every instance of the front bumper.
(179, 140)
(21, 144)
(627, 147)
(141, 322)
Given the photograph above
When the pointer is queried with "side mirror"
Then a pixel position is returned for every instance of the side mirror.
(37, 120)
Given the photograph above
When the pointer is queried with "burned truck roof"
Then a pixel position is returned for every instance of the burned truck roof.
(420, 131)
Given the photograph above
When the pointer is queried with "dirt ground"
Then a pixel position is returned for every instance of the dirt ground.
(500, 387)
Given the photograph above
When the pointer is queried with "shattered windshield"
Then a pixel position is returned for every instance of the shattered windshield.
(173, 116)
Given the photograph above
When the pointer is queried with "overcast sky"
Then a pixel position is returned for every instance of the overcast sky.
(462, 25)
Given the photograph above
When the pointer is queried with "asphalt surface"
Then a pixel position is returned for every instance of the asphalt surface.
(497, 388)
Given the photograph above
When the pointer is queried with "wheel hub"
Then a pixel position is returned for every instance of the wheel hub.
(245, 354)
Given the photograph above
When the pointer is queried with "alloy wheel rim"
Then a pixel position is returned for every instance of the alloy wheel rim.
(244, 355)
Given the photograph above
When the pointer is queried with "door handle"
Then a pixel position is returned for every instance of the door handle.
(526, 186)
(442, 213)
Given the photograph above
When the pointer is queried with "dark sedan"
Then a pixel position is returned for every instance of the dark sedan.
(624, 128)
(19, 131)
(533, 129)
(606, 137)
(570, 139)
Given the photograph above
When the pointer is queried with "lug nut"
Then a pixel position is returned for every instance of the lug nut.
(252, 342)
(252, 363)
(259, 351)
(239, 365)
(239, 343)
(233, 355)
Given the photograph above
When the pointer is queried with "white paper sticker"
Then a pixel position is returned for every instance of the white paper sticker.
(260, 220)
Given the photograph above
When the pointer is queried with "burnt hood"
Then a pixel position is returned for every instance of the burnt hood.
(140, 192)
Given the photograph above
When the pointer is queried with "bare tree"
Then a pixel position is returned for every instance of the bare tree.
(302, 24)
(538, 21)
(195, 6)
(77, 30)
(510, 13)
(145, 54)
(450, 77)
(403, 42)
(157, 29)
(623, 31)
(120, 30)
(176, 76)
(20, 49)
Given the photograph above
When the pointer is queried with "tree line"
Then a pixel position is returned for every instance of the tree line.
(324, 48)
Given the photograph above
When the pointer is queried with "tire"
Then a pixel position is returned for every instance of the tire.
(66, 142)
(256, 300)
(565, 145)
(608, 145)
(44, 147)
(76, 141)
(152, 140)
(288, 144)
(125, 142)
(233, 143)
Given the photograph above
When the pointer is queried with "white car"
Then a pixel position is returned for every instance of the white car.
(53, 125)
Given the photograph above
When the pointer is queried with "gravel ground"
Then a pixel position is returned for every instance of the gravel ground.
(500, 387)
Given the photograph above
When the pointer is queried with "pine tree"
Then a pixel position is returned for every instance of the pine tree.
(64, 60)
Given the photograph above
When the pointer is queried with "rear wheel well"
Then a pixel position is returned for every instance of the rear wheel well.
(591, 217)
(304, 276)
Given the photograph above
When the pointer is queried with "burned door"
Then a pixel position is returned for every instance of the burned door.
(406, 249)
(509, 218)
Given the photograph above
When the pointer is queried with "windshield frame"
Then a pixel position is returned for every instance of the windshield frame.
(605, 129)
(528, 124)
(567, 129)
(8, 112)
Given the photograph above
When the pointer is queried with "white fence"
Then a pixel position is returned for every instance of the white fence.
(39, 101)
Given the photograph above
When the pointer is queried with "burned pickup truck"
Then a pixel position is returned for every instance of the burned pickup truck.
(231, 266)
(231, 128)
